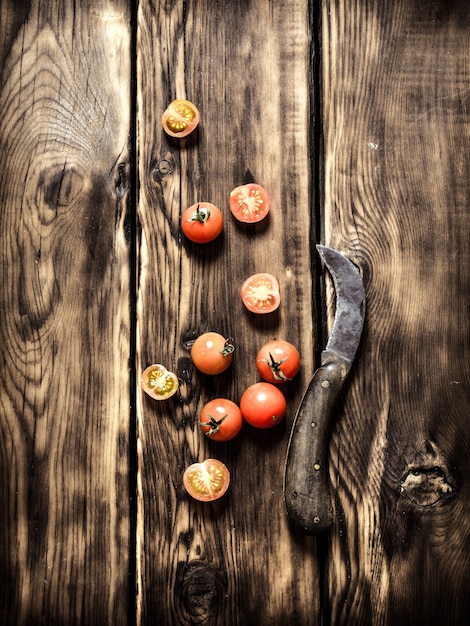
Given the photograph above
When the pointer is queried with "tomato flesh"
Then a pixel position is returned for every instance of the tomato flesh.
(263, 405)
(202, 222)
(180, 118)
(278, 361)
(260, 293)
(206, 481)
(221, 419)
(249, 203)
(158, 382)
(211, 353)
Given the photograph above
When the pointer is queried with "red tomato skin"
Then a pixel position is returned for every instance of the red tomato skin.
(260, 293)
(278, 361)
(206, 353)
(249, 203)
(263, 405)
(205, 229)
(180, 118)
(224, 413)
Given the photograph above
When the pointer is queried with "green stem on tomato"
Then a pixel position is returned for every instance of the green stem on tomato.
(275, 366)
(228, 347)
(214, 425)
(201, 215)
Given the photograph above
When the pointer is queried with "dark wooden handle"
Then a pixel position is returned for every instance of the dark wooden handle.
(306, 491)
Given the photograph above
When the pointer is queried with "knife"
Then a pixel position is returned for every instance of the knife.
(306, 493)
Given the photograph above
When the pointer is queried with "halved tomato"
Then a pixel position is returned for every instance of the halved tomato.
(202, 222)
(260, 293)
(221, 419)
(206, 481)
(249, 203)
(180, 118)
(158, 382)
(278, 361)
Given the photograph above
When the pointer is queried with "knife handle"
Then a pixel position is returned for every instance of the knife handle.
(306, 492)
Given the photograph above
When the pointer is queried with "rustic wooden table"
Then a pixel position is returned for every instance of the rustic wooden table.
(355, 116)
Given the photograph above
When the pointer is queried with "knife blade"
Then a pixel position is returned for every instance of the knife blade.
(306, 492)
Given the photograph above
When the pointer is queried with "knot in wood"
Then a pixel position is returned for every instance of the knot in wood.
(61, 185)
(426, 486)
(201, 589)
(163, 167)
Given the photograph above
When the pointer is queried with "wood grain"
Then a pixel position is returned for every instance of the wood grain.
(64, 322)
(246, 67)
(76, 232)
(396, 118)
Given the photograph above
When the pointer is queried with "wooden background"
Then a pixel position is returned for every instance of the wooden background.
(355, 116)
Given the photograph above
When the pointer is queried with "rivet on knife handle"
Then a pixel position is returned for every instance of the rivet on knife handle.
(306, 492)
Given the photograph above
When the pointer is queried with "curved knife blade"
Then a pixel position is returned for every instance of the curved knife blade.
(350, 305)
(306, 492)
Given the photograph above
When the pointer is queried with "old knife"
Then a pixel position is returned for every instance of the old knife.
(306, 491)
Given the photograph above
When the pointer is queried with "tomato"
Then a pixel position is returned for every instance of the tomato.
(249, 203)
(221, 419)
(260, 293)
(206, 481)
(263, 405)
(202, 222)
(211, 353)
(158, 382)
(278, 361)
(180, 118)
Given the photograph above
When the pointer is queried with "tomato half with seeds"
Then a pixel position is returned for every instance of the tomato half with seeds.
(278, 361)
(263, 405)
(221, 419)
(158, 382)
(260, 293)
(249, 203)
(180, 118)
(206, 481)
(211, 353)
(202, 222)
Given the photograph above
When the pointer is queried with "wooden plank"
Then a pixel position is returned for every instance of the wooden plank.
(64, 321)
(396, 118)
(234, 561)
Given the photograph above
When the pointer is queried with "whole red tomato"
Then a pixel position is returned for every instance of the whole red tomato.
(211, 353)
(278, 361)
(202, 222)
(221, 419)
(263, 405)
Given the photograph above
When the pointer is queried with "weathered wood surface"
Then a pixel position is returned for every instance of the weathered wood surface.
(396, 78)
(64, 322)
(95, 282)
(246, 67)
